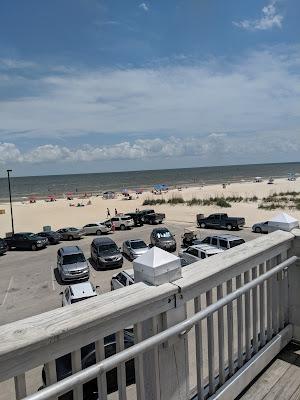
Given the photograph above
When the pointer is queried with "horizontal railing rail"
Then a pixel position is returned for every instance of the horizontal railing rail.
(181, 328)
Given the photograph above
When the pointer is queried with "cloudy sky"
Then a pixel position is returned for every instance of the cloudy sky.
(109, 85)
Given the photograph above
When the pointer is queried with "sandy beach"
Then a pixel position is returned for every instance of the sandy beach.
(32, 217)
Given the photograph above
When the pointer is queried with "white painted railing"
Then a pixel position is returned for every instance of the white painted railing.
(206, 334)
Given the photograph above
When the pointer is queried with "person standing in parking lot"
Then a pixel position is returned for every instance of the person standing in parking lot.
(108, 213)
(116, 212)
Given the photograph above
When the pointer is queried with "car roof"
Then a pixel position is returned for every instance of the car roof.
(207, 248)
(70, 250)
(129, 272)
(84, 289)
(163, 229)
(103, 240)
(226, 236)
(135, 240)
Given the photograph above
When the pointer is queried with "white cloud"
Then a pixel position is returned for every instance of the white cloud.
(174, 100)
(270, 19)
(144, 7)
(212, 146)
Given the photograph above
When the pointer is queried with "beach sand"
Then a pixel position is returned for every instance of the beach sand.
(32, 217)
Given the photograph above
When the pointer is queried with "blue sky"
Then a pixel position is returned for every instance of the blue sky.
(94, 85)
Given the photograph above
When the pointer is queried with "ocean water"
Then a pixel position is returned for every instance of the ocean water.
(99, 182)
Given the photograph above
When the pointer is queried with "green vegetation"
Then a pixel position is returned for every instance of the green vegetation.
(176, 200)
(153, 202)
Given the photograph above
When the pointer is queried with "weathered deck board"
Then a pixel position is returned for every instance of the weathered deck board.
(281, 380)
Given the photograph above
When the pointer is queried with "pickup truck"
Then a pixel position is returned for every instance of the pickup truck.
(149, 216)
(220, 221)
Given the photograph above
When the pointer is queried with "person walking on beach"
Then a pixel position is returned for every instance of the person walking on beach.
(116, 212)
(108, 213)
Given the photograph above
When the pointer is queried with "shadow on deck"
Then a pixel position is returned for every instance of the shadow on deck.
(280, 380)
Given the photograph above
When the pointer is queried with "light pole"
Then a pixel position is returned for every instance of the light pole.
(11, 210)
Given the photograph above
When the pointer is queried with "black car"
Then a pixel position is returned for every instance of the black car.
(88, 358)
(105, 253)
(3, 247)
(53, 237)
(26, 241)
(163, 238)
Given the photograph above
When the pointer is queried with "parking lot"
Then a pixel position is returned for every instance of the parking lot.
(30, 284)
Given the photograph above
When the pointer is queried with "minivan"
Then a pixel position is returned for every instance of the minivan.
(105, 253)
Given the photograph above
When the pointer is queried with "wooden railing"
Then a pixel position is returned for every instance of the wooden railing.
(206, 334)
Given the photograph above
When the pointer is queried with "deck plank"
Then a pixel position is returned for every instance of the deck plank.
(281, 380)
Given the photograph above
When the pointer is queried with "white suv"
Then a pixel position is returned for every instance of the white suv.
(224, 242)
(122, 279)
(198, 252)
(122, 222)
(78, 292)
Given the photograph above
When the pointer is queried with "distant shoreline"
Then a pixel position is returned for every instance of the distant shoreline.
(79, 184)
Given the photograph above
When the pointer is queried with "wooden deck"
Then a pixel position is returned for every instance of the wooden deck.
(280, 380)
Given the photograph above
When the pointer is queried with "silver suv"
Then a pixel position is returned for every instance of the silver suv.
(122, 222)
(71, 264)
(224, 242)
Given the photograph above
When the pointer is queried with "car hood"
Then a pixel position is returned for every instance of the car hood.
(75, 267)
(166, 240)
(38, 238)
(141, 251)
(109, 254)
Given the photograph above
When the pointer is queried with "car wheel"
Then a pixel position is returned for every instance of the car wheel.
(122, 227)
(202, 225)
(70, 237)
(258, 230)
(229, 227)
(33, 247)
(99, 232)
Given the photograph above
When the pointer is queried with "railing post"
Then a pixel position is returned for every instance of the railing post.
(165, 369)
(294, 288)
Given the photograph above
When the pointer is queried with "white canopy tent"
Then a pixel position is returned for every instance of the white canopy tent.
(283, 221)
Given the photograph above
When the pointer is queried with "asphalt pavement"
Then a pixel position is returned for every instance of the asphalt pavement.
(29, 283)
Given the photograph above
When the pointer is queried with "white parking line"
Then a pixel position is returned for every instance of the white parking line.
(7, 291)
(52, 278)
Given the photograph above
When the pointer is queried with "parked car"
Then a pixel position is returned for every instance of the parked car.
(149, 216)
(198, 252)
(163, 238)
(26, 241)
(88, 358)
(134, 248)
(96, 228)
(122, 222)
(3, 247)
(78, 292)
(261, 227)
(105, 253)
(223, 241)
(220, 221)
(71, 233)
(122, 279)
(53, 237)
(72, 264)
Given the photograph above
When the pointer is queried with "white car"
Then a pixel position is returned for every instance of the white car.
(78, 292)
(198, 252)
(122, 279)
(96, 228)
(122, 222)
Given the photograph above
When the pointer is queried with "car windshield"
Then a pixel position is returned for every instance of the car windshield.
(73, 229)
(73, 258)
(138, 244)
(164, 234)
(107, 248)
(237, 242)
(31, 235)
